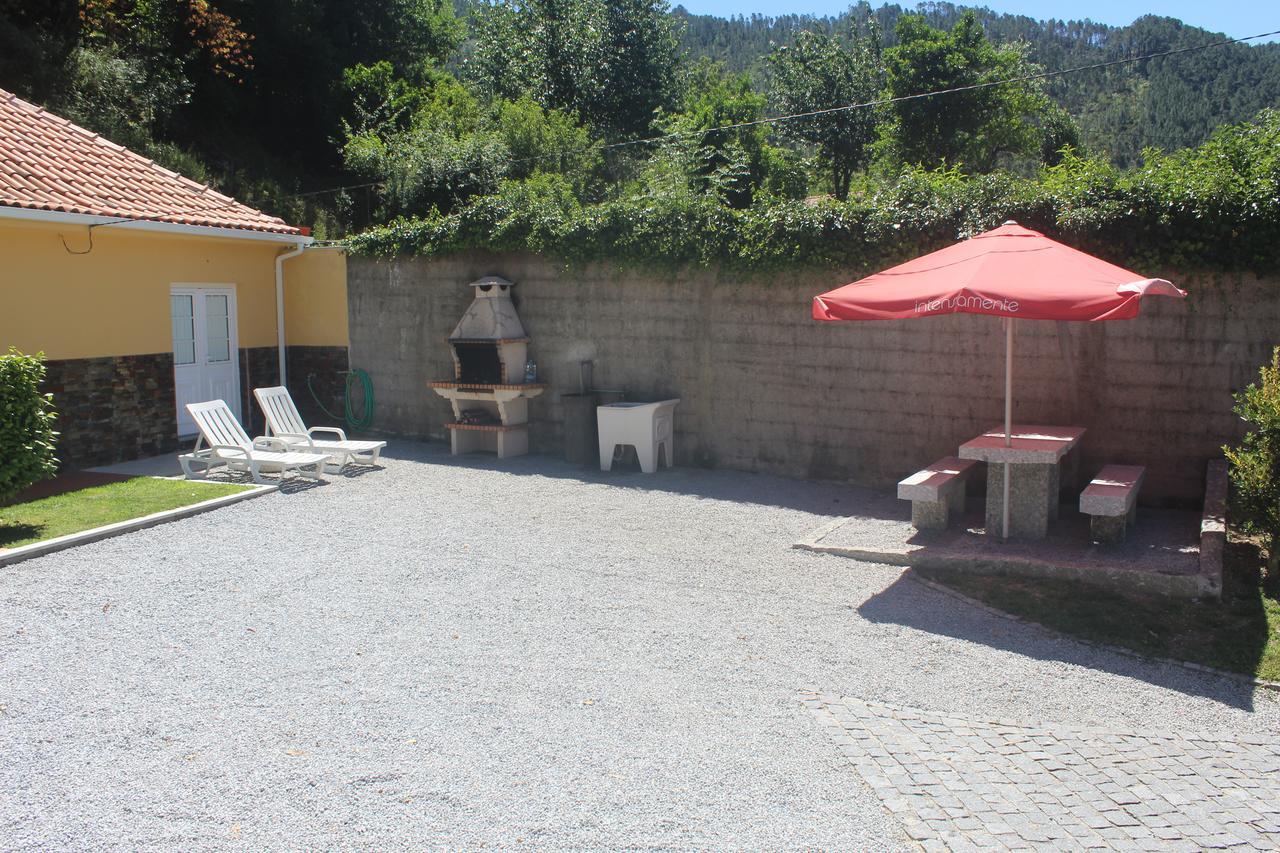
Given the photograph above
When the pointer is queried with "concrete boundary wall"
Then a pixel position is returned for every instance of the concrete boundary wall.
(765, 388)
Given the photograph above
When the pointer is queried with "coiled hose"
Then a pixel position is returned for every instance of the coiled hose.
(355, 377)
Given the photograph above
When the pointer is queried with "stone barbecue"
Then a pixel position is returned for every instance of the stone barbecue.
(488, 392)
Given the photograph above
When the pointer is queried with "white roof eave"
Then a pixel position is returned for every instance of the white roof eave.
(118, 222)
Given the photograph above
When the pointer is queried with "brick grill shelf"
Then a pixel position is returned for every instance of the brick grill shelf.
(488, 427)
(508, 405)
(457, 340)
(480, 386)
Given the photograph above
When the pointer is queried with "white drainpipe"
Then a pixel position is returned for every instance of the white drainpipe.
(280, 259)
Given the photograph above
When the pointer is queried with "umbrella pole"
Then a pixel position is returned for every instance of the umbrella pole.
(1008, 412)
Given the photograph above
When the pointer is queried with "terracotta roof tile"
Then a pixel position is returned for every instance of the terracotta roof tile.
(48, 163)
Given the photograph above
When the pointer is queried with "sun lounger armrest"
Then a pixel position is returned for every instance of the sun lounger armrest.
(297, 437)
(229, 450)
(274, 443)
(342, 436)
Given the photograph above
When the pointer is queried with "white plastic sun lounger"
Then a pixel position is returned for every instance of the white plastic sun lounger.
(228, 444)
(284, 422)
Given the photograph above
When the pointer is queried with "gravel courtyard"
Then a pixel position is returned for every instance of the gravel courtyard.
(472, 652)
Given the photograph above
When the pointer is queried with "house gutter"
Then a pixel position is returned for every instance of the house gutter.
(280, 344)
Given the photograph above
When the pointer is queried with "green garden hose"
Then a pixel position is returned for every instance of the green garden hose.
(355, 376)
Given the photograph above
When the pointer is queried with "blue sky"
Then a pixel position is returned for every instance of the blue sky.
(1236, 19)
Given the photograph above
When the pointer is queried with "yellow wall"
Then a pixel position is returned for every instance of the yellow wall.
(315, 298)
(114, 300)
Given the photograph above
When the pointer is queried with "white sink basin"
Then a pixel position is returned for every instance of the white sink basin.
(648, 427)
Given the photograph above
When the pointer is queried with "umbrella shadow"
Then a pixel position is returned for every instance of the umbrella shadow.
(911, 603)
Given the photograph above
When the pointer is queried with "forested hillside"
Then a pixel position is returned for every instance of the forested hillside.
(582, 123)
(1170, 103)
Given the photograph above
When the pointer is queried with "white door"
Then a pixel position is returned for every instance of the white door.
(204, 349)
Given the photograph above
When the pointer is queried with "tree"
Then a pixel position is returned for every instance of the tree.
(1058, 132)
(641, 56)
(435, 145)
(612, 62)
(545, 141)
(35, 41)
(301, 51)
(174, 39)
(380, 101)
(135, 64)
(729, 162)
(970, 128)
(435, 157)
(816, 73)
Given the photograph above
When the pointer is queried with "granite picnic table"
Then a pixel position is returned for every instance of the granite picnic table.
(1033, 455)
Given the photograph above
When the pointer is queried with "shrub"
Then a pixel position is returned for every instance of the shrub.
(1255, 462)
(26, 424)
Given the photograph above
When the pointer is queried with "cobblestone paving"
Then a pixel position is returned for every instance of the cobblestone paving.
(962, 784)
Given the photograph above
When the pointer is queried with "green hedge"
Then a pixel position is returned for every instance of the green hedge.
(26, 424)
(1213, 207)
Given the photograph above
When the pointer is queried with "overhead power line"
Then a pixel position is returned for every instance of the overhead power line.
(335, 189)
(880, 102)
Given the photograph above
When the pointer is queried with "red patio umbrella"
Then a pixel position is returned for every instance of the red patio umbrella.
(1010, 272)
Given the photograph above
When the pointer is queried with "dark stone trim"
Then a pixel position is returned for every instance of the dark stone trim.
(113, 408)
(259, 368)
(326, 368)
(118, 408)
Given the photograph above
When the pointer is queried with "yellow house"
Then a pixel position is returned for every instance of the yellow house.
(147, 291)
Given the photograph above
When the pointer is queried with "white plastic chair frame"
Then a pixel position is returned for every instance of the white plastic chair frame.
(284, 422)
(226, 443)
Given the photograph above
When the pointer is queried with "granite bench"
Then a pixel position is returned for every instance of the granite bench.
(936, 492)
(1111, 501)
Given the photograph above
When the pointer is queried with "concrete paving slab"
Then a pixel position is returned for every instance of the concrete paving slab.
(1161, 553)
(164, 465)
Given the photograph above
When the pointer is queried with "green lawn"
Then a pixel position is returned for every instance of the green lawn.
(1241, 633)
(71, 512)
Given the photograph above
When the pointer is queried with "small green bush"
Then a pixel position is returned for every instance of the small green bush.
(1255, 462)
(26, 424)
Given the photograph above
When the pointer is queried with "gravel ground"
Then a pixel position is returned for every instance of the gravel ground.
(474, 652)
